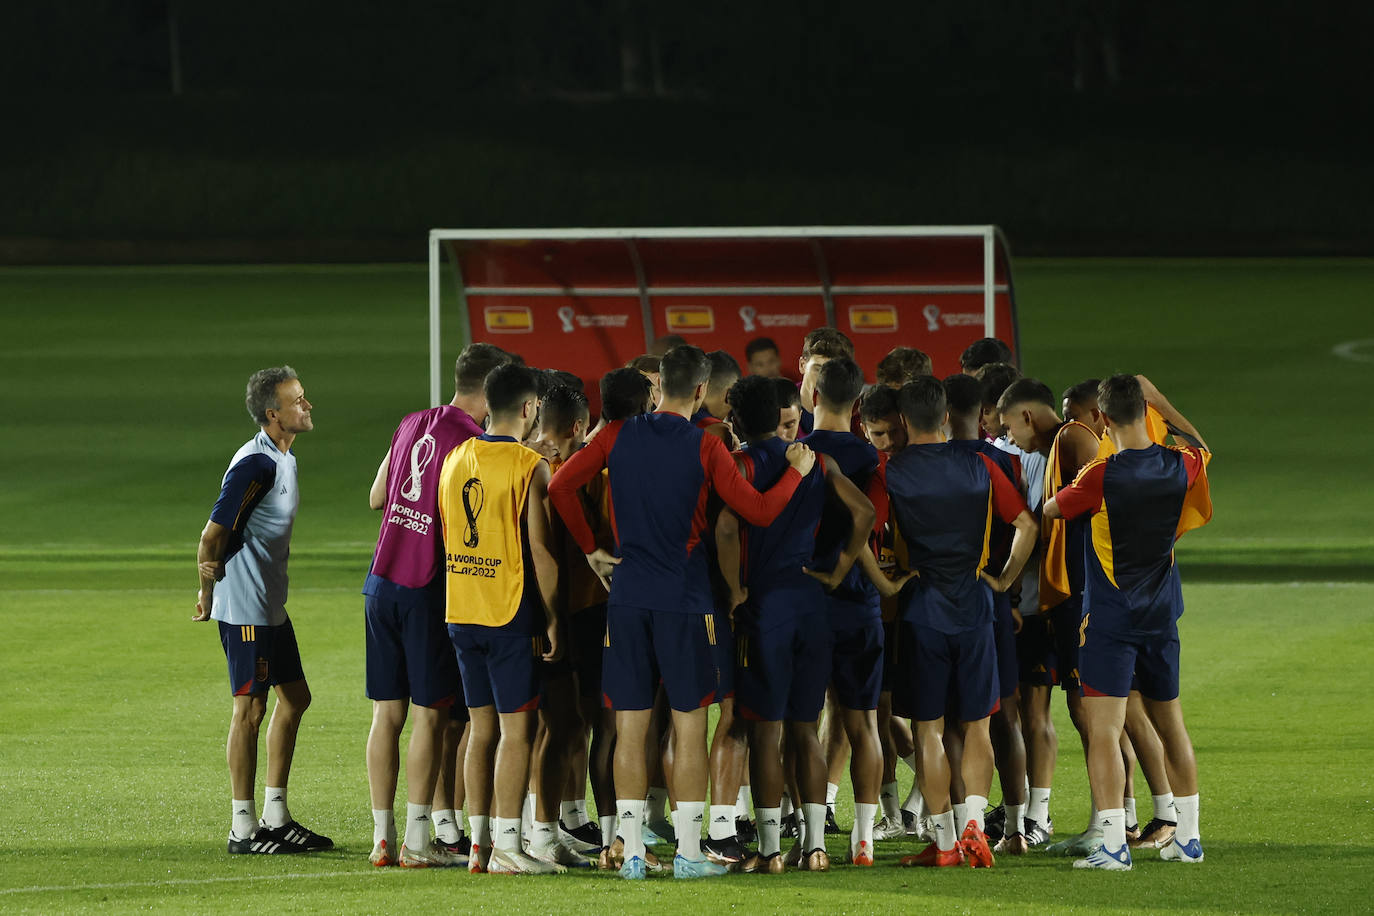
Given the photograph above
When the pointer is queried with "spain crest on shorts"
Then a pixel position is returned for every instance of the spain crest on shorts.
(261, 675)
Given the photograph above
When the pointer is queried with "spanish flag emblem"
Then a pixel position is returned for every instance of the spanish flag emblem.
(508, 319)
(872, 318)
(691, 319)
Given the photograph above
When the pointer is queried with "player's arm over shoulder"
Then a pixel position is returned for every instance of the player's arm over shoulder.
(1082, 496)
(1078, 446)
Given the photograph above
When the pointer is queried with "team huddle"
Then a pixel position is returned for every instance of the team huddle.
(855, 575)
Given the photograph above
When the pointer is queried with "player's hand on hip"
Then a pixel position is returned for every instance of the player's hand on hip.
(828, 579)
(801, 458)
(895, 583)
(995, 584)
(202, 613)
(1016, 620)
(603, 563)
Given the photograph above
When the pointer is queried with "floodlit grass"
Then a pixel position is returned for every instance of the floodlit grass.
(124, 408)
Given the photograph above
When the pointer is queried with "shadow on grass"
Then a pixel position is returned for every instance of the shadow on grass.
(1229, 572)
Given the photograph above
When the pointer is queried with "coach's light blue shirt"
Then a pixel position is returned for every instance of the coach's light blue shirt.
(257, 503)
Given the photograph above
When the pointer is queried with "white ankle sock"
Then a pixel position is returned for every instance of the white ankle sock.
(607, 822)
(507, 836)
(1016, 820)
(417, 827)
(945, 834)
(786, 807)
(1038, 809)
(814, 837)
(1188, 815)
(960, 816)
(543, 837)
(910, 761)
(688, 826)
(274, 810)
(567, 815)
(862, 831)
(1129, 808)
(915, 802)
(1164, 807)
(527, 815)
(832, 792)
(655, 803)
(1113, 823)
(770, 826)
(744, 802)
(481, 830)
(245, 818)
(447, 826)
(722, 822)
(888, 798)
(383, 826)
(974, 806)
(631, 825)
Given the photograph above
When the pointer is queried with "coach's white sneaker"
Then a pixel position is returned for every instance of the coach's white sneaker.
(513, 862)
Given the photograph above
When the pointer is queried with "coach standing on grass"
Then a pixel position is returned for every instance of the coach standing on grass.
(244, 548)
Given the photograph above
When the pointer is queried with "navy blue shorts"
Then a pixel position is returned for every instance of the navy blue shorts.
(1004, 631)
(783, 670)
(499, 669)
(260, 657)
(857, 669)
(890, 643)
(723, 650)
(1065, 621)
(644, 647)
(1110, 665)
(409, 655)
(587, 646)
(1035, 662)
(950, 672)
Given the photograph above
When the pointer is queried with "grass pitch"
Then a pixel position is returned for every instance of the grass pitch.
(125, 406)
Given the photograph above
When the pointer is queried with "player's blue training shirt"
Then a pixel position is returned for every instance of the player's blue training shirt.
(854, 602)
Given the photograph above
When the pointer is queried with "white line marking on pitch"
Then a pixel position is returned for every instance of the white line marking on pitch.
(169, 882)
(1350, 350)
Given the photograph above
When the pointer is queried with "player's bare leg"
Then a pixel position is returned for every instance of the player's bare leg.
(478, 765)
(1167, 716)
(1103, 719)
(865, 771)
(449, 796)
(1042, 750)
(600, 767)
(689, 781)
(1159, 830)
(293, 700)
(422, 773)
(1083, 843)
(890, 826)
(835, 742)
(766, 777)
(728, 756)
(934, 781)
(954, 753)
(976, 766)
(659, 747)
(1009, 750)
(631, 777)
(811, 788)
(559, 724)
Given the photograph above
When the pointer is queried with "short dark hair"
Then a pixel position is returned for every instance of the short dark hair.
(262, 391)
(995, 379)
(963, 394)
(840, 382)
(724, 369)
(923, 403)
(623, 394)
(981, 352)
(568, 380)
(788, 393)
(681, 370)
(753, 404)
(758, 345)
(879, 403)
(1026, 390)
(645, 363)
(665, 343)
(473, 364)
(508, 386)
(902, 364)
(827, 342)
(562, 407)
(1085, 392)
(1121, 399)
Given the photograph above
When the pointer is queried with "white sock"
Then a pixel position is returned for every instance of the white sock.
(945, 835)
(915, 802)
(770, 830)
(417, 826)
(888, 798)
(960, 816)
(832, 791)
(1187, 807)
(910, 761)
(383, 826)
(580, 812)
(1164, 807)
(1038, 809)
(1016, 820)
(722, 822)
(481, 830)
(631, 826)
(507, 834)
(607, 822)
(447, 827)
(543, 837)
(527, 816)
(1113, 822)
(786, 808)
(245, 818)
(567, 815)
(1129, 808)
(744, 802)
(689, 818)
(862, 831)
(274, 807)
(974, 806)
(814, 836)
(655, 804)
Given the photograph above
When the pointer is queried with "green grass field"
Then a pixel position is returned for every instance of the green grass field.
(123, 404)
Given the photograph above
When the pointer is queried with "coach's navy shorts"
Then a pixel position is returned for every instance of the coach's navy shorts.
(409, 655)
(1110, 665)
(499, 668)
(1004, 631)
(1035, 660)
(950, 672)
(1065, 622)
(857, 669)
(645, 646)
(260, 657)
(587, 645)
(783, 669)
